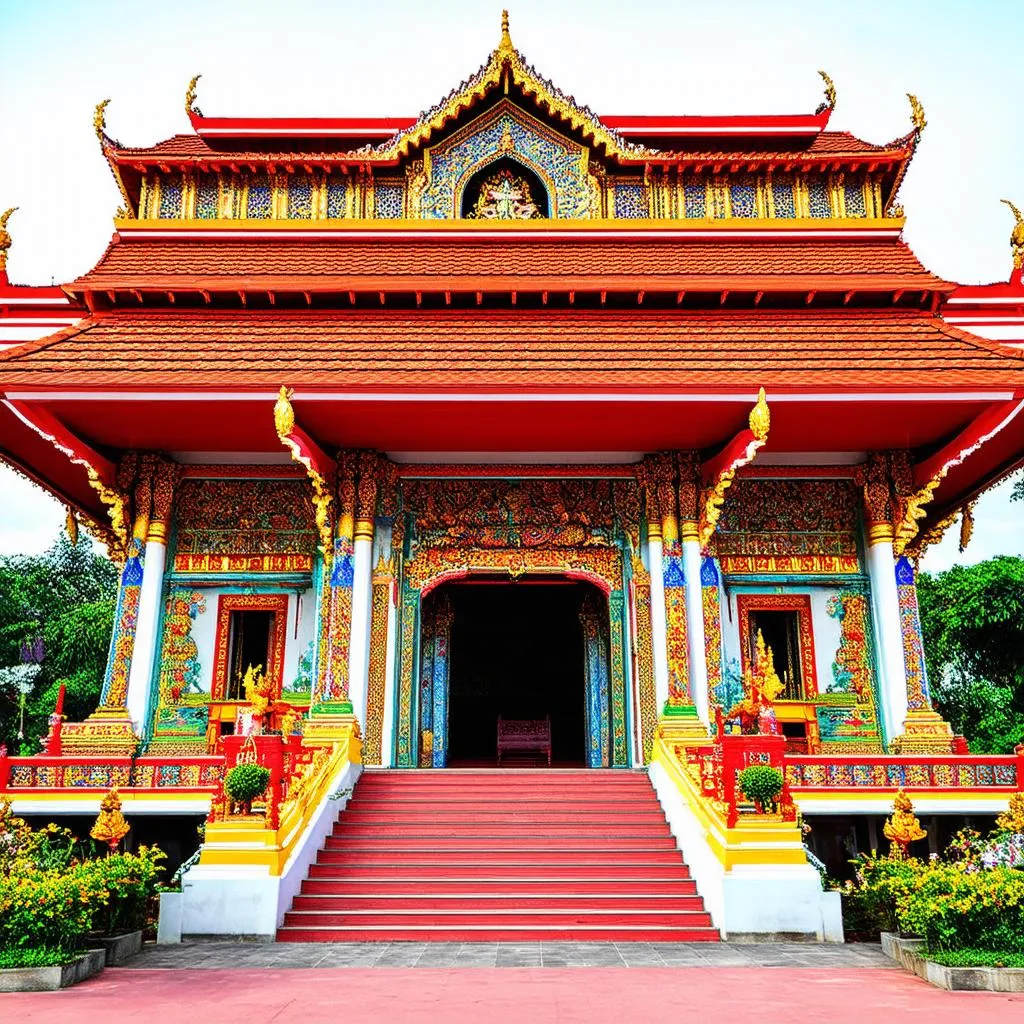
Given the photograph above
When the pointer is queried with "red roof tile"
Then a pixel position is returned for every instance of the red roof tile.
(514, 349)
(352, 263)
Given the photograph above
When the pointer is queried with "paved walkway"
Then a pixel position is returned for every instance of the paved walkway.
(733, 995)
(245, 955)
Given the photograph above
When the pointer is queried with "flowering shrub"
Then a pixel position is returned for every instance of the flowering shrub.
(131, 882)
(48, 908)
(871, 900)
(954, 907)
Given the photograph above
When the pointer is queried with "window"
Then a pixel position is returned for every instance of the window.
(249, 636)
(784, 621)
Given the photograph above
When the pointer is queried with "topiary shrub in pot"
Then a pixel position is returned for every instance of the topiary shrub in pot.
(762, 784)
(244, 783)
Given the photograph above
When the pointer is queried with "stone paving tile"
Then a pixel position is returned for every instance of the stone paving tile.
(225, 955)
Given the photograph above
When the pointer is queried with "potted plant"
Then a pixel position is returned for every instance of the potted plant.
(762, 784)
(244, 783)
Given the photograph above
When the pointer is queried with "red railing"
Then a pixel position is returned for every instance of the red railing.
(915, 771)
(103, 773)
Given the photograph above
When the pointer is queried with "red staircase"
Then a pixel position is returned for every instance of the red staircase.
(457, 856)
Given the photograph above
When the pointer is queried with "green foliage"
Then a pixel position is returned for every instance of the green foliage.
(131, 882)
(871, 902)
(762, 784)
(973, 623)
(61, 602)
(245, 782)
(956, 906)
(975, 958)
(37, 956)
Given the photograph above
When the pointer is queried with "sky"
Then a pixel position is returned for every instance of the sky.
(317, 58)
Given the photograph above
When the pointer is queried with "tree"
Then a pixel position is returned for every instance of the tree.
(973, 623)
(56, 617)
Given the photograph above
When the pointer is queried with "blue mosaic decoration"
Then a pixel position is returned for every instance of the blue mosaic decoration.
(442, 635)
(782, 197)
(337, 193)
(818, 204)
(388, 200)
(343, 570)
(630, 200)
(207, 193)
(170, 196)
(260, 202)
(696, 199)
(300, 197)
(507, 132)
(743, 198)
(595, 665)
(672, 566)
(853, 196)
(708, 572)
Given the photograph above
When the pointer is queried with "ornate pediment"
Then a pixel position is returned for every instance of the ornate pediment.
(552, 167)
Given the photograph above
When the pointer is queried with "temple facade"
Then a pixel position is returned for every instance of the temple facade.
(622, 433)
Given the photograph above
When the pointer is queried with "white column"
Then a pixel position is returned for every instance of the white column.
(695, 628)
(362, 600)
(659, 628)
(140, 675)
(886, 613)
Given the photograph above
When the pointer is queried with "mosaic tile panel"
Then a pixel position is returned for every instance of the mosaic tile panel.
(170, 196)
(853, 196)
(207, 195)
(630, 200)
(300, 197)
(817, 198)
(782, 197)
(337, 194)
(743, 198)
(388, 200)
(696, 199)
(260, 201)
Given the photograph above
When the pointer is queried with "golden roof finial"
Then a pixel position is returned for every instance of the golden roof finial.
(190, 97)
(99, 119)
(284, 414)
(1017, 235)
(506, 38)
(830, 92)
(5, 238)
(917, 113)
(760, 418)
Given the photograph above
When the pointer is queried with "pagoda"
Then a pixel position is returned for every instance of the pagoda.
(513, 423)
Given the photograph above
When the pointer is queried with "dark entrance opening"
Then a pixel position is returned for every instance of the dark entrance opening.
(517, 650)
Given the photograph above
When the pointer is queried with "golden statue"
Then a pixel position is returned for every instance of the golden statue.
(917, 113)
(1017, 235)
(902, 828)
(762, 687)
(190, 97)
(110, 826)
(284, 414)
(5, 238)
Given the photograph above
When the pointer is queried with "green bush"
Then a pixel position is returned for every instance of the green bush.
(245, 782)
(131, 883)
(955, 907)
(36, 957)
(762, 784)
(975, 958)
(870, 905)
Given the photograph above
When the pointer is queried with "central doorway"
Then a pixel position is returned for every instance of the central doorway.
(534, 650)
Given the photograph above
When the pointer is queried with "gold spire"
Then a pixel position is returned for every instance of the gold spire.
(1017, 235)
(830, 90)
(506, 38)
(99, 120)
(917, 113)
(190, 97)
(760, 417)
(5, 238)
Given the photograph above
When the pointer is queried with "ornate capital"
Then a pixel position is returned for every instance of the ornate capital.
(874, 478)
(689, 486)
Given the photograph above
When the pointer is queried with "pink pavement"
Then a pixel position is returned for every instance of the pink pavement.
(587, 995)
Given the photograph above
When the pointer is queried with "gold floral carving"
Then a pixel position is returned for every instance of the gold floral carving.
(5, 238)
(830, 91)
(190, 97)
(1017, 235)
